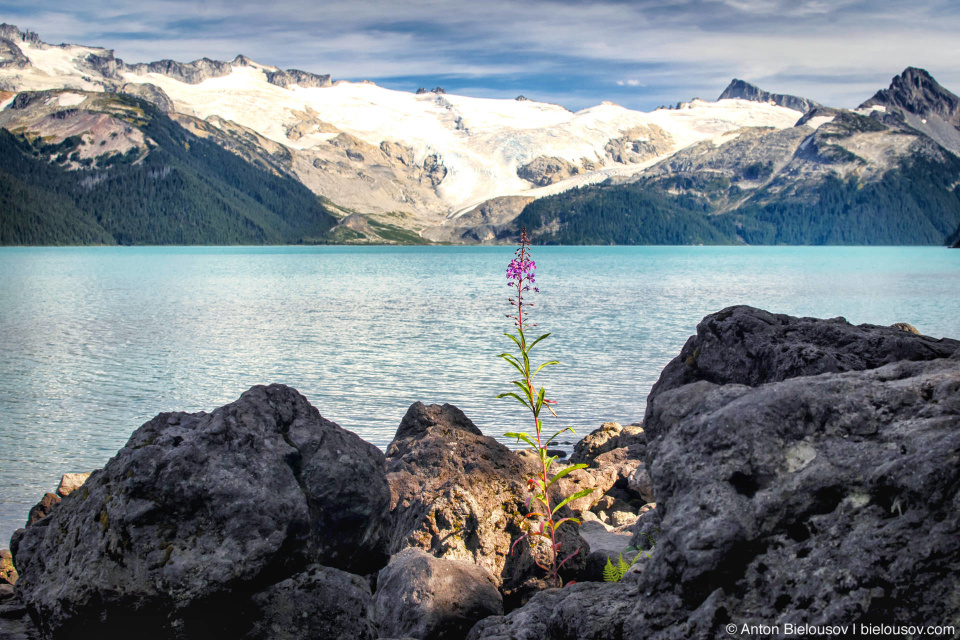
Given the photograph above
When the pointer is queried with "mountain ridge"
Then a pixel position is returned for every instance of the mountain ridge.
(431, 165)
(746, 91)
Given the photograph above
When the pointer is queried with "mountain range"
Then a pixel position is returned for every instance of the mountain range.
(356, 162)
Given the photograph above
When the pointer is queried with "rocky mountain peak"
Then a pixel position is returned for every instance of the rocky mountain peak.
(743, 90)
(916, 91)
(11, 32)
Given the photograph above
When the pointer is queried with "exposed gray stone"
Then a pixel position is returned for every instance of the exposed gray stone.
(431, 598)
(827, 499)
(149, 92)
(604, 545)
(318, 603)
(303, 79)
(746, 91)
(583, 611)
(199, 510)
(750, 346)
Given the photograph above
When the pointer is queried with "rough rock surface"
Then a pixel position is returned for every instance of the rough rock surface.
(318, 603)
(750, 346)
(15, 622)
(199, 511)
(458, 494)
(42, 509)
(916, 99)
(8, 574)
(431, 598)
(70, 482)
(607, 437)
(303, 79)
(821, 499)
(746, 91)
(603, 545)
(545, 171)
(149, 92)
(817, 497)
(583, 611)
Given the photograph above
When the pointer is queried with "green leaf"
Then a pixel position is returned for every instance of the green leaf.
(540, 400)
(553, 437)
(576, 496)
(565, 471)
(526, 361)
(513, 395)
(512, 359)
(536, 341)
(514, 338)
(521, 436)
(545, 364)
(610, 572)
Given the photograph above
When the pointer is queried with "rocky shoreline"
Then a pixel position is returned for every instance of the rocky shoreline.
(786, 471)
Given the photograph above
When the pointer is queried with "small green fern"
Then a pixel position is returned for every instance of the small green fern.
(615, 572)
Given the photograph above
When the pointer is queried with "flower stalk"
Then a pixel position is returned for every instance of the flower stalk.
(521, 278)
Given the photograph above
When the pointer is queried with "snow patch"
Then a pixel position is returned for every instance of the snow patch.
(818, 121)
(71, 99)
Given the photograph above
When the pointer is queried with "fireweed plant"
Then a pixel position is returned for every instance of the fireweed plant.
(522, 280)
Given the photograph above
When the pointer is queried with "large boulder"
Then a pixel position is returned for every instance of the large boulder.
(829, 499)
(744, 345)
(200, 511)
(813, 496)
(458, 494)
(318, 603)
(430, 598)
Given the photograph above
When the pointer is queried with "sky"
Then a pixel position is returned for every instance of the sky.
(640, 54)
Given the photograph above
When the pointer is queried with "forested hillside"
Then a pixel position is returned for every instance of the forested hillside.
(181, 189)
(917, 203)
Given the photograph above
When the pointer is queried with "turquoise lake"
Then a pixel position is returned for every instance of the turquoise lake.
(95, 341)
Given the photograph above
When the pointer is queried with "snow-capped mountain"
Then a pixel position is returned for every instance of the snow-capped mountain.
(423, 159)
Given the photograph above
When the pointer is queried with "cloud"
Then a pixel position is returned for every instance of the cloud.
(638, 53)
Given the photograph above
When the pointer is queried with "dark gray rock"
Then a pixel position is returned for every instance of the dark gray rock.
(189, 72)
(11, 32)
(11, 57)
(744, 345)
(604, 545)
(816, 499)
(916, 99)
(583, 611)
(827, 499)
(303, 79)
(42, 509)
(431, 598)
(746, 91)
(318, 603)
(198, 512)
(15, 622)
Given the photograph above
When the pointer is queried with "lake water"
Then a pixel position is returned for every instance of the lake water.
(95, 341)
